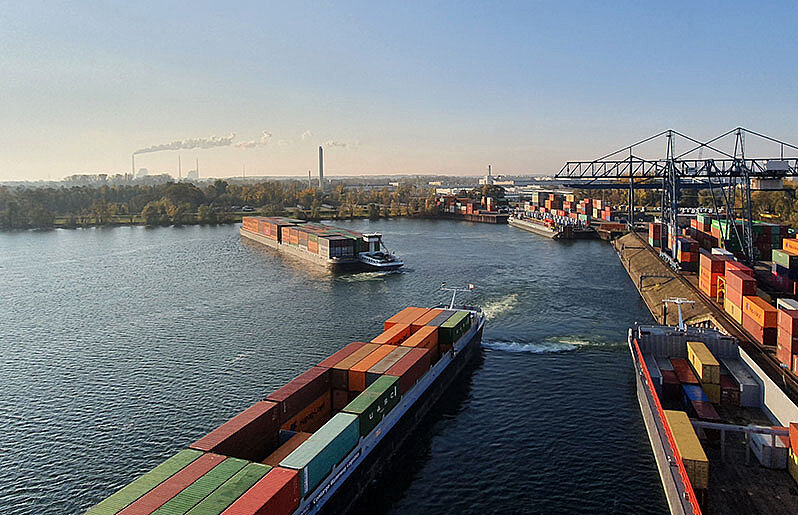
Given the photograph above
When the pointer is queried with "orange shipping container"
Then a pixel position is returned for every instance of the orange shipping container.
(394, 335)
(339, 374)
(790, 244)
(357, 374)
(313, 416)
(407, 315)
(287, 448)
(426, 337)
(760, 311)
(424, 319)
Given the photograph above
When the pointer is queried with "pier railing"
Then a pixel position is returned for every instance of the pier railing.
(652, 393)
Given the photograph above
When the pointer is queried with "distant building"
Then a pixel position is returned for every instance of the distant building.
(192, 175)
(143, 172)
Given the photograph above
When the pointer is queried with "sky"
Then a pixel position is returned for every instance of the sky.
(386, 87)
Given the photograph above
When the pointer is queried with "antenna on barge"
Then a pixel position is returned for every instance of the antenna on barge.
(679, 301)
(455, 290)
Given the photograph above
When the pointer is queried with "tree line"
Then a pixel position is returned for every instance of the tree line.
(185, 202)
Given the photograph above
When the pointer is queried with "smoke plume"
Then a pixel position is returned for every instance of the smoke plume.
(264, 140)
(306, 135)
(189, 143)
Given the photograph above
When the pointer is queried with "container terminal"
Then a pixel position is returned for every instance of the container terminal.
(331, 247)
(317, 444)
(716, 382)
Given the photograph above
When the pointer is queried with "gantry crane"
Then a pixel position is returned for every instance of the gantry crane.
(724, 171)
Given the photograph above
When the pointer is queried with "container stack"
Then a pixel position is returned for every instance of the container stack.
(655, 234)
(739, 283)
(784, 269)
(706, 368)
(701, 231)
(766, 238)
(712, 267)
(787, 336)
(760, 319)
(269, 457)
(687, 253)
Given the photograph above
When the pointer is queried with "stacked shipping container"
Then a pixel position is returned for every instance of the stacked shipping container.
(320, 239)
(300, 432)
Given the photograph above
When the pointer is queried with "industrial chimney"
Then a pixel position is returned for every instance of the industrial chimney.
(321, 169)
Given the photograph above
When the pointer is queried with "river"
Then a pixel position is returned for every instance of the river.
(122, 345)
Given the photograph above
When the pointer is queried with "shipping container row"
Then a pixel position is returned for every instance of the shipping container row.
(324, 240)
(269, 457)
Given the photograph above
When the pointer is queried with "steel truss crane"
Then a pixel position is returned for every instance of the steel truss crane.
(728, 173)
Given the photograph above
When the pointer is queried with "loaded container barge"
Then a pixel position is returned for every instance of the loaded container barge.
(723, 433)
(326, 245)
(317, 443)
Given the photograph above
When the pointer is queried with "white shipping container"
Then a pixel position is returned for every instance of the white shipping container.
(722, 252)
(787, 304)
(770, 456)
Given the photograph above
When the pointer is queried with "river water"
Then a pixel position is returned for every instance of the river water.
(120, 346)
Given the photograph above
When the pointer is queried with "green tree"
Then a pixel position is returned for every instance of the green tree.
(374, 211)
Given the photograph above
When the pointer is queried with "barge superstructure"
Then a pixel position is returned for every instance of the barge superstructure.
(316, 444)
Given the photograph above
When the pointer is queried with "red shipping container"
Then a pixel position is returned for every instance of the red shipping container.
(784, 352)
(162, 493)
(735, 296)
(301, 391)
(788, 320)
(740, 282)
(705, 411)
(340, 355)
(340, 398)
(764, 335)
(732, 265)
(250, 435)
(277, 493)
(683, 371)
(670, 385)
(729, 391)
(715, 264)
(794, 436)
(410, 368)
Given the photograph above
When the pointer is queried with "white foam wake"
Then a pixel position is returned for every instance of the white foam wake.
(496, 308)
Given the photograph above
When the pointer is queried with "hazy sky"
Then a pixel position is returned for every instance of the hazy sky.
(408, 87)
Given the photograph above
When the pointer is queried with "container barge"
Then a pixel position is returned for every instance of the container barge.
(316, 444)
(332, 247)
(551, 229)
(724, 435)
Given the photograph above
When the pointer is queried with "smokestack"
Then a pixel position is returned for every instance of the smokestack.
(179, 168)
(133, 166)
(197, 168)
(310, 183)
(321, 169)
(488, 170)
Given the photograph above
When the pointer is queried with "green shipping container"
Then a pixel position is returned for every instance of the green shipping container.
(316, 456)
(374, 403)
(785, 259)
(451, 330)
(231, 490)
(201, 488)
(127, 495)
